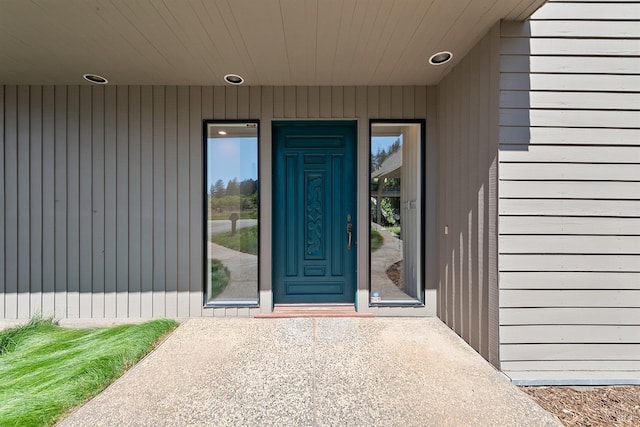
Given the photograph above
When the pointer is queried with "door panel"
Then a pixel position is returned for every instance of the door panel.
(314, 201)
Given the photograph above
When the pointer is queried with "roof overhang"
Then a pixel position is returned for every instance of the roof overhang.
(268, 42)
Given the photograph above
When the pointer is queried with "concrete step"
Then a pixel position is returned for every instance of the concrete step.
(281, 311)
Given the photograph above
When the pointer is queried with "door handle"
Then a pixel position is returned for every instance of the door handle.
(349, 232)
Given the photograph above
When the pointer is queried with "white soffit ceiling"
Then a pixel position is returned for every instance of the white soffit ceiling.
(268, 42)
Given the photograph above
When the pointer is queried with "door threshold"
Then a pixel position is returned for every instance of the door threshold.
(285, 311)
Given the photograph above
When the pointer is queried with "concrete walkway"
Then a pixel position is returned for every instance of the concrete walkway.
(243, 270)
(312, 372)
(381, 259)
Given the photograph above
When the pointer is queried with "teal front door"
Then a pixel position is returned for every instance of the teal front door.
(314, 212)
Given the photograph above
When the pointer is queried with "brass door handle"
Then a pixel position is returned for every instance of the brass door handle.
(349, 232)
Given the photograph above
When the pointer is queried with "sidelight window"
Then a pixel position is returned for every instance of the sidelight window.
(396, 212)
(232, 220)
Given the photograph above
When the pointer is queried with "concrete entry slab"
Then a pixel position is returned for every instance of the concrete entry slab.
(312, 372)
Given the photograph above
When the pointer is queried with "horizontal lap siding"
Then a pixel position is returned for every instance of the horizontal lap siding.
(467, 134)
(569, 194)
(101, 199)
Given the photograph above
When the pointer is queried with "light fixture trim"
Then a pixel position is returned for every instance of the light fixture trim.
(95, 79)
(234, 79)
(440, 58)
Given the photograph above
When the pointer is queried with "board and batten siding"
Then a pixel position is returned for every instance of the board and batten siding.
(101, 202)
(569, 207)
(467, 225)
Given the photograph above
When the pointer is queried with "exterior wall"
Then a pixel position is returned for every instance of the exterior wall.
(101, 203)
(468, 135)
(570, 195)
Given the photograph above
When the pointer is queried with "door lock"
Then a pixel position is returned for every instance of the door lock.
(349, 232)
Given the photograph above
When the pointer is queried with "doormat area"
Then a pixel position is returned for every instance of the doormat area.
(290, 311)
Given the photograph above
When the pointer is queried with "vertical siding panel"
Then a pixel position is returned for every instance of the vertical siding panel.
(86, 205)
(207, 102)
(278, 102)
(110, 201)
(2, 206)
(494, 325)
(455, 207)
(24, 210)
(464, 205)
(467, 147)
(385, 102)
(483, 199)
(325, 102)
(432, 187)
(472, 249)
(98, 195)
(254, 102)
(11, 202)
(290, 102)
(301, 102)
(243, 102)
(219, 95)
(35, 202)
(373, 102)
(442, 219)
(349, 102)
(134, 202)
(314, 102)
(73, 202)
(420, 103)
(196, 195)
(408, 102)
(171, 201)
(146, 201)
(207, 112)
(48, 202)
(265, 171)
(122, 201)
(337, 102)
(159, 202)
(231, 103)
(396, 102)
(183, 196)
(442, 194)
(450, 197)
(360, 112)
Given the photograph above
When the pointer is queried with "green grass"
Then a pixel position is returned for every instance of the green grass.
(376, 240)
(395, 229)
(219, 278)
(245, 240)
(46, 370)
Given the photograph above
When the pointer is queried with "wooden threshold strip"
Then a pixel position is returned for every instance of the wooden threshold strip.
(289, 311)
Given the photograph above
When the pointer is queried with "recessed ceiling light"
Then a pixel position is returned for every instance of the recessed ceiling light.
(221, 132)
(233, 79)
(440, 58)
(94, 78)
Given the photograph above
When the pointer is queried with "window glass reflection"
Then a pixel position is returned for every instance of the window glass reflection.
(232, 213)
(395, 211)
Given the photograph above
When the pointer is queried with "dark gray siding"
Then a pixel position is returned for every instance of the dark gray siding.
(101, 199)
(468, 149)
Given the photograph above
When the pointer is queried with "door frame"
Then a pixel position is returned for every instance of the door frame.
(354, 124)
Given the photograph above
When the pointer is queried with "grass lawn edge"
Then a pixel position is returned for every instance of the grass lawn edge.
(49, 370)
